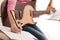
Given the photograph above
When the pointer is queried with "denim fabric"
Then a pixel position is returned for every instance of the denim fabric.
(35, 31)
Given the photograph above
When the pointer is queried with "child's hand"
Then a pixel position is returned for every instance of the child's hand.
(19, 24)
(15, 29)
(50, 8)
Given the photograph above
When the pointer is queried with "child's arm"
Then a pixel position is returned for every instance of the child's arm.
(50, 6)
(14, 27)
(10, 7)
(11, 4)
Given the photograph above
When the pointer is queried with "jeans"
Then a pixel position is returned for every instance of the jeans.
(35, 31)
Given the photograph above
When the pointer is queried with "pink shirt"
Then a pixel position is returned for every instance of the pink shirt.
(12, 3)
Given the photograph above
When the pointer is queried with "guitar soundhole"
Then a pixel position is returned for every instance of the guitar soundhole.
(20, 23)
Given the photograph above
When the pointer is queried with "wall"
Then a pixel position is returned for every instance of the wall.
(42, 4)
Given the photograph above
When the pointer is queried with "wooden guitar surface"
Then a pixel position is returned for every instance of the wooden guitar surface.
(26, 18)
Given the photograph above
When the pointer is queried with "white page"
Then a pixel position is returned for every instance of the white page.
(18, 36)
(55, 16)
(6, 30)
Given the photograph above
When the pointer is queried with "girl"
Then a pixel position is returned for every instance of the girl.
(33, 29)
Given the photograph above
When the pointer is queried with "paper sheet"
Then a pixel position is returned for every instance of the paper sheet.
(55, 16)
(17, 36)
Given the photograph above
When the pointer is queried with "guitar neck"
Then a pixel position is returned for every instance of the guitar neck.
(38, 13)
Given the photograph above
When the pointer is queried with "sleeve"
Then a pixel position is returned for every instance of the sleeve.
(11, 5)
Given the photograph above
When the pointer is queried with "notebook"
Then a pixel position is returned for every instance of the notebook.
(55, 16)
(17, 36)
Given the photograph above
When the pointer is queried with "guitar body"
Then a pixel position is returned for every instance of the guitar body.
(26, 18)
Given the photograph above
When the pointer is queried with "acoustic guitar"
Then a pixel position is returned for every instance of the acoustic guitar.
(27, 17)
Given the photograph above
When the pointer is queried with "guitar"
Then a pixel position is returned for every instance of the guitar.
(27, 17)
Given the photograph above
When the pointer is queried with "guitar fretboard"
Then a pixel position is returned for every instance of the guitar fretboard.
(37, 13)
